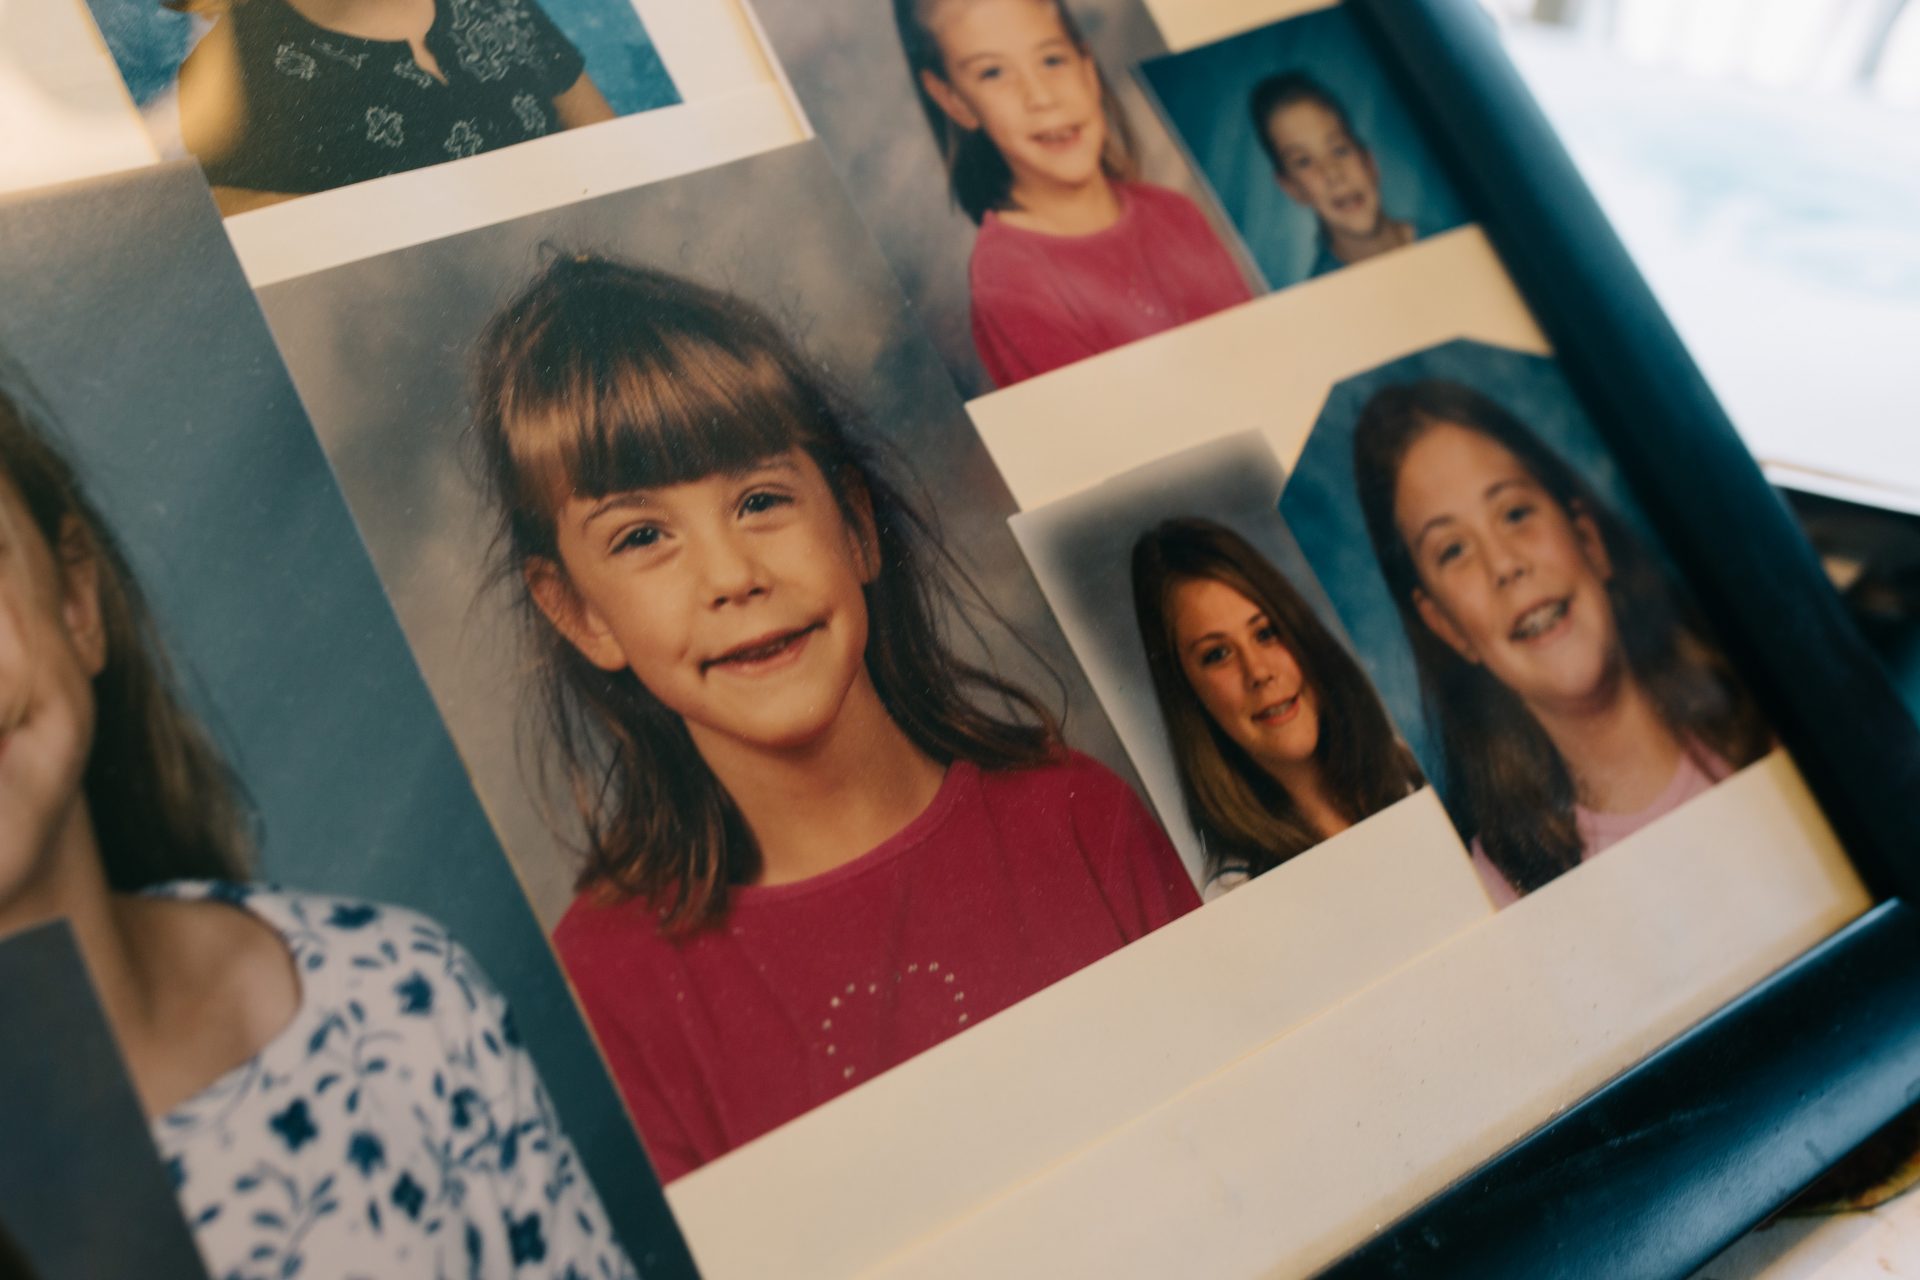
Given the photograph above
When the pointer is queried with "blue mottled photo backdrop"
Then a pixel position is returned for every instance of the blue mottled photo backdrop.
(1205, 95)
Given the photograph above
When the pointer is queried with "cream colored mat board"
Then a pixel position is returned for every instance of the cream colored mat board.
(1266, 365)
(332, 228)
(1296, 1155)
(932, 1140)
(1185, 24)
(64, 112)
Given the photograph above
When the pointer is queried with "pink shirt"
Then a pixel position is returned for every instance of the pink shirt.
(1007, 882)
(1699, 770)
(1042, 301)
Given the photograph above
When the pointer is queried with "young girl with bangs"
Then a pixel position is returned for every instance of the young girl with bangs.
(817, 841)
(334, 1086)
(1075, 255)
(1576, 694)
(1279, 740)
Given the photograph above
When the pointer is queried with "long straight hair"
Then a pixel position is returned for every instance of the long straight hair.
(603, 377)
(164, 804)
(1506, 781)
(1246, 819)
(977, 174)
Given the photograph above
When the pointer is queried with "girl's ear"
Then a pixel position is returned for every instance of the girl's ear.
(952, 103)
(80, 610)
(1443, 626)
(1587, 529)
(571, 616)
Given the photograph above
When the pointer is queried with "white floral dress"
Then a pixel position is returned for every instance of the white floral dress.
(395, 1128)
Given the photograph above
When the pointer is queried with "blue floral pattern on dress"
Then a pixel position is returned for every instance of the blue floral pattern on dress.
(395, 1127)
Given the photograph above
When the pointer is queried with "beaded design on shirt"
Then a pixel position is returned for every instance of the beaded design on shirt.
(856, 1008)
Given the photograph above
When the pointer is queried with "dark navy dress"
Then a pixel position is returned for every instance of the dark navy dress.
(320, 109)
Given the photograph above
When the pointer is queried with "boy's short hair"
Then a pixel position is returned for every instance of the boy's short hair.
(1283, 89)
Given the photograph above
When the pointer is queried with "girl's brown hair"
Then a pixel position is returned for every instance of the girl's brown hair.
(602, 377)
(1506, 782)
(977, 174)
(1247, 821)
(164, 804)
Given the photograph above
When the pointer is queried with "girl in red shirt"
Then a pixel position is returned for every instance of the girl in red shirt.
(817, 841)
(1074, 256)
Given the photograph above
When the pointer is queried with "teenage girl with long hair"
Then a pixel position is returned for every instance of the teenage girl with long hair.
(1074, 255)
(1279, 739)
(817, 841)
(335, 1087)
(1574, 690)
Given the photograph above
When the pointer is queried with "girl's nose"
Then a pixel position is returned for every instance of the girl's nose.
(1507, 564)
(732, 572)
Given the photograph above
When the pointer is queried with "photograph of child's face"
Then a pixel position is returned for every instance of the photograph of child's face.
(1306, 144)
(1322, 166)
(1509, 578)
(735, 599)
(1013, 70)
(1244, 674)
(1475, 532)
(50, 649)
(942, 115)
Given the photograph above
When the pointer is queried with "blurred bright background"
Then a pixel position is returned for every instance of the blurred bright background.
(1871, 47)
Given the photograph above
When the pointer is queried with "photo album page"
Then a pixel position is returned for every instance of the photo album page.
(815, 637)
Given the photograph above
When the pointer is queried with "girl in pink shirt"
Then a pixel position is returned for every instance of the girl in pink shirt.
(1074, 256)
(1575, 692)
(817, 841)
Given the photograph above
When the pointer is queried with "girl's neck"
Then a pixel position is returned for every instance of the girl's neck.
(190, 990)
(1392, 233)
(1620, 753)
(1057, 210)
(821, 805)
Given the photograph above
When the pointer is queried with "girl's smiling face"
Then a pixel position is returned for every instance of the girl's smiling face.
(1509, 578)
(1013, 70)
(1324, 168)
(52, 644)
(735, 599)
(1246, 677)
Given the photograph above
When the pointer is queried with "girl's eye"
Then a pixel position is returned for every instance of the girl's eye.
(1519, 512)
(637, 538)
(1449, 551)
(1268, 634)
(1213, 655)
(763, 501)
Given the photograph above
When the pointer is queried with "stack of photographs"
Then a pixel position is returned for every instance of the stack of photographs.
(825, 639)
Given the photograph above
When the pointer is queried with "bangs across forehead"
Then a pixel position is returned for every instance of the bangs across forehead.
(606, 412)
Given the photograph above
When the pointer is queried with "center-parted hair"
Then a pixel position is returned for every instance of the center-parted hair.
(603, 377)
(1246, 819)
(1282, 90)
(1506, 782)
(977, 174)
(164, 804)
